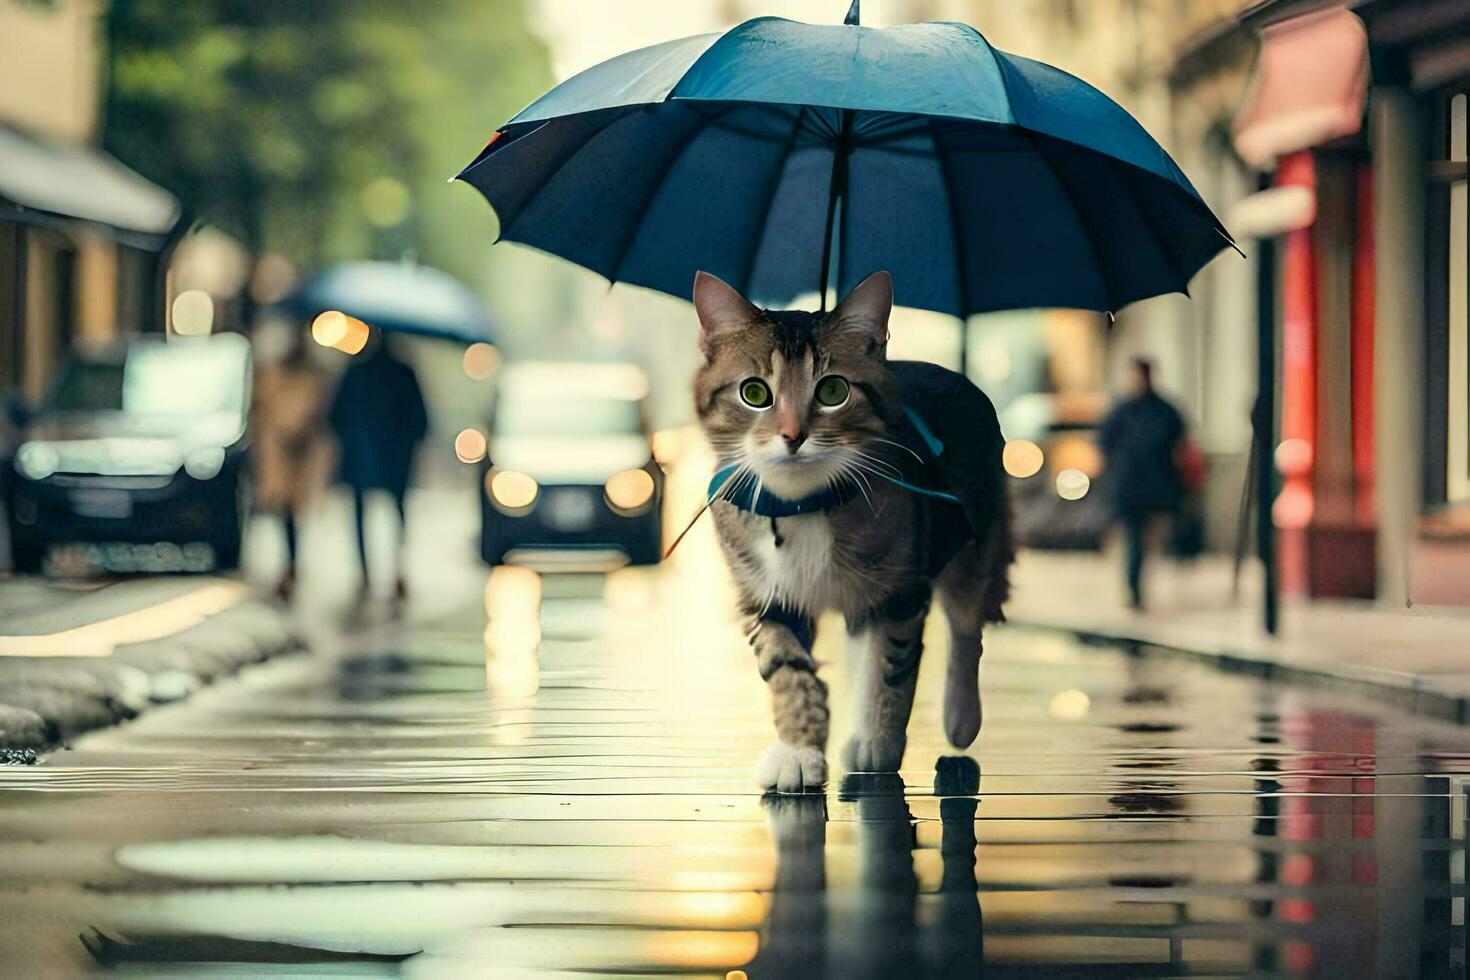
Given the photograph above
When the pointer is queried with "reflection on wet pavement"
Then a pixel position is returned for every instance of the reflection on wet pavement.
(576, 801)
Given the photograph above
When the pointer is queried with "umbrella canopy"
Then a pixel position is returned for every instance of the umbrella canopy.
(779, 152)
(395, 296)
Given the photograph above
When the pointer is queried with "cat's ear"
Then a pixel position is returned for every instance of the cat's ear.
(720, 307)
(867, 308)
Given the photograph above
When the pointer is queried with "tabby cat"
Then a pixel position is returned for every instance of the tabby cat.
(853, 483)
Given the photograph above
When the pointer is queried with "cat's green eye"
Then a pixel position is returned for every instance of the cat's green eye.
(832, 391)
(755, 393)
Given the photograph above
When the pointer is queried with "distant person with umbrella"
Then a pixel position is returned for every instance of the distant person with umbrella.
(292, 448)
(379, 413)
(380, 419)
(1141, 438)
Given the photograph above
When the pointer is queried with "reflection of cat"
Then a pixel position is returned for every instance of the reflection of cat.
(852, 483)
(874, 931)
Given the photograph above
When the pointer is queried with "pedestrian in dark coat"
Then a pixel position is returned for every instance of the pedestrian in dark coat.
(1141, 437)
(379, 418)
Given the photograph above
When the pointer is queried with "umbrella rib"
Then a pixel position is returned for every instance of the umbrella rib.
(760, 234)
(1066, 188)
(1005, 84)
(627, 246)
(507, 226)
(961, 268)
(1153, 230)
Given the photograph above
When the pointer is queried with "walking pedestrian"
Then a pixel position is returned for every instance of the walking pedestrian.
(1141, 438)
(379, 417)
(291, 447)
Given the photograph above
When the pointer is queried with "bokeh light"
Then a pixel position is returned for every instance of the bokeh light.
(193, 313)
(357, 336)
(385, 202)
(629, 490)
(273, 278)
(469, 446)
(339, 331)
(1073, 484)
(1022, 458)
(1075, 452)
(1293, 508)
(204, 464)
(329, 328)
(481, 361)
(1294, 456)
(511, 491)
(1071, 705)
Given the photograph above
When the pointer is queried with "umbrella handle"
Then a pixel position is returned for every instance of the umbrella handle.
(852, 13)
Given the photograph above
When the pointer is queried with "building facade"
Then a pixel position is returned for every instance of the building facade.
(1355, 124)
(81, 236)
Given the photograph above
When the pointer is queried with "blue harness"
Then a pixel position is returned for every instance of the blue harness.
(744, 493)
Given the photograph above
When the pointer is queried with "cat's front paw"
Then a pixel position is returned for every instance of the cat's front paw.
(879, 753)
(791, 768)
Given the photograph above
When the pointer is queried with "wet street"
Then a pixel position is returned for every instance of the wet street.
(580, 802)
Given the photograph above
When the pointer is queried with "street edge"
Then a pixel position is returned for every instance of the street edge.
(1408, 692)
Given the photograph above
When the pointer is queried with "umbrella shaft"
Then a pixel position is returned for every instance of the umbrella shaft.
(836, 191)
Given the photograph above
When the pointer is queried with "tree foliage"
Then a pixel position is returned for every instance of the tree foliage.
(322, 129)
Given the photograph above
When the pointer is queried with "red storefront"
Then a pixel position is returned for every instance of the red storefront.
(1369, 167)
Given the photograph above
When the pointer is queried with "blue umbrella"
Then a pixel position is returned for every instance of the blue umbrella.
(780, 154)
(396, 296)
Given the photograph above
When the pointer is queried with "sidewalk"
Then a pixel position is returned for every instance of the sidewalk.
(75, 658)
(1416, 658)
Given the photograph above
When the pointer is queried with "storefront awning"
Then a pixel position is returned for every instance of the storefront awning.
(1309, 86)
(83, 184)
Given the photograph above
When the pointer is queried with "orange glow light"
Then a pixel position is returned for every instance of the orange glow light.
(481, 361)
(629, 490)
(469, 446)
(1022, 458)
(329, 328)
(510, 490)
(341, 332)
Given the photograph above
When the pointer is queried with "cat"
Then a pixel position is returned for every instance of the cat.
(853, 483)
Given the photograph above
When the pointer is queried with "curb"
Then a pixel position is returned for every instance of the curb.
(1408, 692)
(47, 701)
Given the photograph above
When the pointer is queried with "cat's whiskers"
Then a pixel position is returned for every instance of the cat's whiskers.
(877, 461)
(900, 446)
(852, 469)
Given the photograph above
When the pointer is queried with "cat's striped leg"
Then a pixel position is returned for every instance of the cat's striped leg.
(963, 587)
(782, 643)
(884, 652)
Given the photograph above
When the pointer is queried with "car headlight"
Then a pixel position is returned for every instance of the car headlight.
(37, 460)
(629, 492)
(204, 464)
(510, 491)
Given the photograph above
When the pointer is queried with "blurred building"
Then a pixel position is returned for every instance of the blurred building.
(80, 235)
(1356, 124)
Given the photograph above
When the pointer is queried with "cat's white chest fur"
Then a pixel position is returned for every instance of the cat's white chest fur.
(798, 572)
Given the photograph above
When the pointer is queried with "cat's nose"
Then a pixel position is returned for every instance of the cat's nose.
(793, 442)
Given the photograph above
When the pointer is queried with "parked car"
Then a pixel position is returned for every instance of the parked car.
(570, 464)
(133, 461)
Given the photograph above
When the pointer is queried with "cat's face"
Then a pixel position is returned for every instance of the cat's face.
(794, 396)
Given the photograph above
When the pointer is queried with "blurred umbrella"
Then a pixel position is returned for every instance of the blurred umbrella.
(395, 296)
(780, 153)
